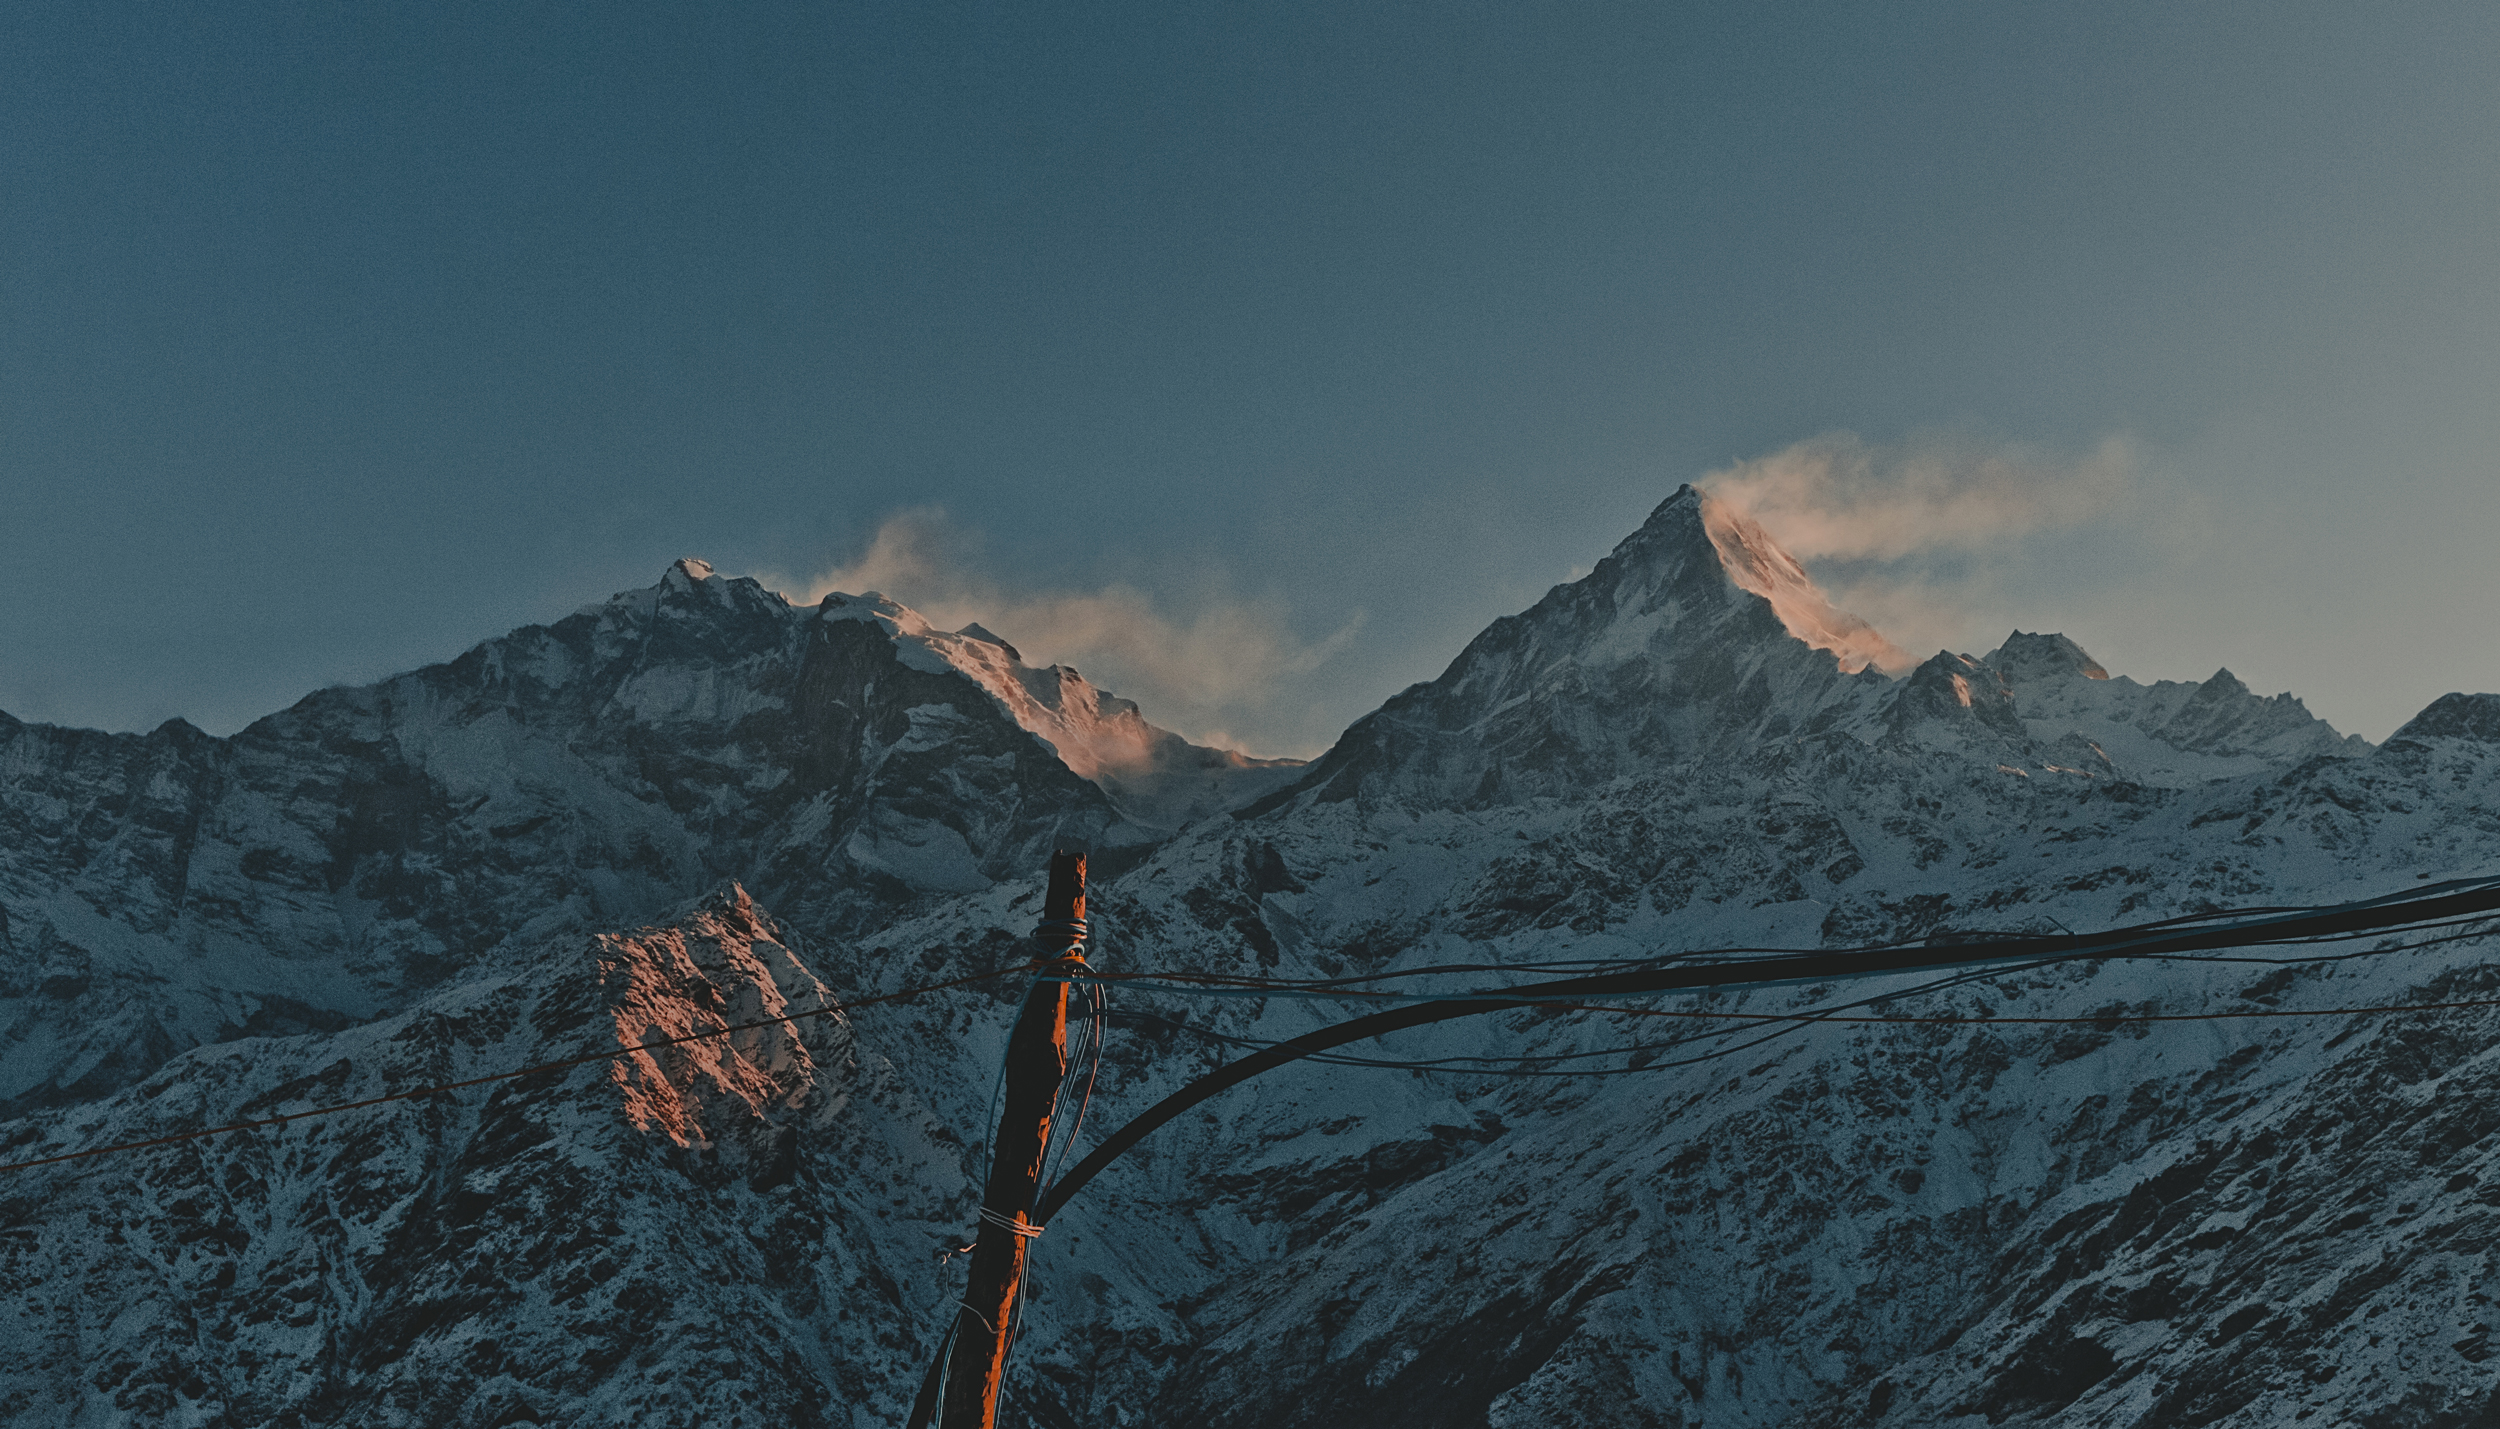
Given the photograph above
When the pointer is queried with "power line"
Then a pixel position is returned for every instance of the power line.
(1450, 1064)
(2442, 904)
(1244, 986)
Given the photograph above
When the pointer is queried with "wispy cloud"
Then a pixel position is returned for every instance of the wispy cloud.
(1920, 538)
(1214, 666)
(1840, 497)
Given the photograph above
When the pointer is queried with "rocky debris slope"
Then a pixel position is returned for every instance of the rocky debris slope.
(2125, 1224)
(2111, 1222)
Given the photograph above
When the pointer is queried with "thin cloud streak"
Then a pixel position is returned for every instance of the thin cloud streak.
(1921, 538)
(1837, 496)
(1211, 674)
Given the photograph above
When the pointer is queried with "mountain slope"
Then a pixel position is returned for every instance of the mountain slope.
(652, 1240)
(2099, 1221)
(1659, 655)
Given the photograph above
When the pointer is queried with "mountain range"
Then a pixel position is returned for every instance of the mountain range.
(699, 802)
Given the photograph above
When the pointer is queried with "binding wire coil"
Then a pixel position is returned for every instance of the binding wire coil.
(1064, 935)
(1010, 1224)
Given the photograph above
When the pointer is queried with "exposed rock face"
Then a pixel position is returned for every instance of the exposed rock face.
(636, 1241)
(512, 859)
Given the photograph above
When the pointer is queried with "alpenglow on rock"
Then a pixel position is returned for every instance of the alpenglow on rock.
(698, 804)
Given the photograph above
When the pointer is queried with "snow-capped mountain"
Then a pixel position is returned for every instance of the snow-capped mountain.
(335, 861)
(567, 840)
(1698, 638)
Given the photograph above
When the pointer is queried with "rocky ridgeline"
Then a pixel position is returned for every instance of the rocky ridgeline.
(522, 855)
(369, 845)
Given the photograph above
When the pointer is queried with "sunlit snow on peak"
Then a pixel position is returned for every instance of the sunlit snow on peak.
(1756, 563)
(1153, 774)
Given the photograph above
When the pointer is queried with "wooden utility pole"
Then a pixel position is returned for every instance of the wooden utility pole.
(1037, 1058)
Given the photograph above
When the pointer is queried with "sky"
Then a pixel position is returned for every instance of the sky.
(1249, 357)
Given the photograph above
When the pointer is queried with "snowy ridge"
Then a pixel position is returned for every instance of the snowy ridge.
(1158, 778)
(342, 857)
(2170, 733)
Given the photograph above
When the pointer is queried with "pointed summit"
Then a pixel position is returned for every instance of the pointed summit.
(1695, 636)
(686, 576)
(1694, 547)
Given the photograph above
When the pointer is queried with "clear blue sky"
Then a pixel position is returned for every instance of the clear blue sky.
(336, 338)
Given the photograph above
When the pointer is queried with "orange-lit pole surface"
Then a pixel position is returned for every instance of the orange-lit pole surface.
(1037, 1058)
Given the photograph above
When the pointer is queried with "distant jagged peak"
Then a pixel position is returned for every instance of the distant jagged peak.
(2223, 685)
(690, 580)
(2044, 656)
(1954, 691)
(1153, 774)
(1756, 564)
(2474, 718)
(687, 584)
(2225, 717)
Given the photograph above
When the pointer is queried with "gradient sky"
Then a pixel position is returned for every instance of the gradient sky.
(334, 339)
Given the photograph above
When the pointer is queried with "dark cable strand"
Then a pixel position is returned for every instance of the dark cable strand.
(2113, 944)
(1793, 1021)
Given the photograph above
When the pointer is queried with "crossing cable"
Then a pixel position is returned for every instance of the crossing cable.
(1246, 987)
(2103, 1020)
(2440, 903)
(586, 1059)
(1797, 1021)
